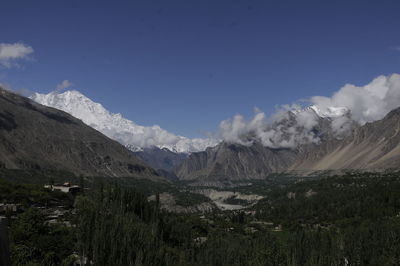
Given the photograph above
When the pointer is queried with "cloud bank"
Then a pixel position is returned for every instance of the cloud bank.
(367, 103)
(11, 54)
(285, 129)
(292, 125)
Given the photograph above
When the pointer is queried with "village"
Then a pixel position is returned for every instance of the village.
(54, 202)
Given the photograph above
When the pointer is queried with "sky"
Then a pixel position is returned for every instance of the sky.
(188, 65)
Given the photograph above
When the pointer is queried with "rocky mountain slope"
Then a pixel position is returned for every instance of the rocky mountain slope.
(39, 137)
(374, 146)
(229, 161)
(306, 140)
(233, 161)
(161, 158)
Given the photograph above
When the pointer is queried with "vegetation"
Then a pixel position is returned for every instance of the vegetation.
(32, 194)
(37, 243)
(348, 220)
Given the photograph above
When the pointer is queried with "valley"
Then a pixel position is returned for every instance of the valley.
(330, 202)
(298, 142)
(349, 218)
(200, 133)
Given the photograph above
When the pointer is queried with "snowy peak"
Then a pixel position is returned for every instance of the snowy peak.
(331, 111)
(324, 112)
(78, 105)
(115, 126)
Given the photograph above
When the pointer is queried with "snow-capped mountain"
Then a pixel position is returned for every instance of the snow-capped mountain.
(300, 126)
(137, 137)
(328, 112)
(115, 126)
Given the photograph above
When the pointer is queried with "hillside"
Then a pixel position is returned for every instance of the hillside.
(235, 162)
(33, 136)
(161, 158)
(374, 146)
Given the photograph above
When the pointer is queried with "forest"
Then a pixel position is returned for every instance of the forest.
(341, 220)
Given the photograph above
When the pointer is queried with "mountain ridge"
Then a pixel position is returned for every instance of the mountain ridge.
(373, 146)
(33, 136)
(115, 126)
(304, 140)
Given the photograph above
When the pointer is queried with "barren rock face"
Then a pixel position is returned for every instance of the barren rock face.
(374, 146)
(236, 162)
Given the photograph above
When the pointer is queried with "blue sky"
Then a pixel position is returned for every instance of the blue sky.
(187, 65)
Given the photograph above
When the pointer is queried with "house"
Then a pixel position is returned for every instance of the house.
(66, 188)
(8, 207)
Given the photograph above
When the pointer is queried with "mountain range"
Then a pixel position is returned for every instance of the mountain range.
(300, 141)
(115, 126)
(33, 136)
(374, 146)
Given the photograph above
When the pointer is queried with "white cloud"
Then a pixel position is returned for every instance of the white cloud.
(10, 54)
(233, 130)
(366, 103)
(281, 130)
(21, 91)
(65, 84)
(5, 86)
